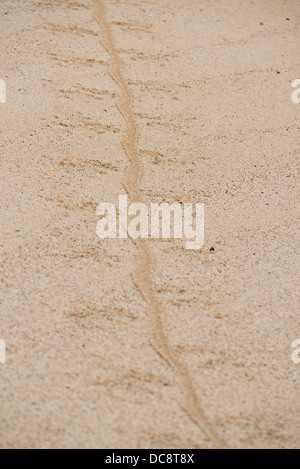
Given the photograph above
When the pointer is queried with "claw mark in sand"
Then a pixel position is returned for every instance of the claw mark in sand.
(145, 264)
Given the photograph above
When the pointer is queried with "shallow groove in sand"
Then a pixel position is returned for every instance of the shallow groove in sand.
(145, 262)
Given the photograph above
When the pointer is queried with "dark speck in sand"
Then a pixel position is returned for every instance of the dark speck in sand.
(212, 249)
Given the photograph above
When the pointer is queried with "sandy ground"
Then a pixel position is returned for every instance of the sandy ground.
(115, 344)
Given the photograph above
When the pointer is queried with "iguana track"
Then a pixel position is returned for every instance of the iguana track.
(145, 262)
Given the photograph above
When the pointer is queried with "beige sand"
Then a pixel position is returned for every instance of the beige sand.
(115, 344)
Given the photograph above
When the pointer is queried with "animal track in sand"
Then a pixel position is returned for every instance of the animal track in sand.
(126, 3)
(74, 29)
(69, 164)
(156, 121)
(172, 155)
(74, 60)
(146, 56)
(78, 89)
(133, 26)
(52, 4)
(145, 262)
(85, 122)
(165, 87)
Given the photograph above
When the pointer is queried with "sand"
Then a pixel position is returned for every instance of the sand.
(144, 344)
